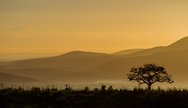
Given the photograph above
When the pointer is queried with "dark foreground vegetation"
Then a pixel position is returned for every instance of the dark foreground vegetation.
(96, 98)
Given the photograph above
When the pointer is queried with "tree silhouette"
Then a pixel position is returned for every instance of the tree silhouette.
(149, 74)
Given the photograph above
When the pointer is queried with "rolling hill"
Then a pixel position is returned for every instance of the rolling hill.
(90, 66)
(127, 52)
(5, 77)
(179, 45)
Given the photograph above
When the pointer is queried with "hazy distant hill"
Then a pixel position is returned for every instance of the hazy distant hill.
(79, 65)
(179, 45)
(73, 65)
(127, 52)
(5, 77)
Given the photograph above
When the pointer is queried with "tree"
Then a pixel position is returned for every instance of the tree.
(149, 74)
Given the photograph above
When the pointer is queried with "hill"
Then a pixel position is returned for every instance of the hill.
(179, 45)
(90, 66)
(69, 66)
(5, 77)
(127, 52)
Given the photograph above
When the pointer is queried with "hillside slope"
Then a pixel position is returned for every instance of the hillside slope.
(85, 66)
(5, 77)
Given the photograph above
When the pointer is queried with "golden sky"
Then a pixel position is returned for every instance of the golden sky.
(55, 26)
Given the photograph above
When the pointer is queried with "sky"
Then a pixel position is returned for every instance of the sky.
(58, 26)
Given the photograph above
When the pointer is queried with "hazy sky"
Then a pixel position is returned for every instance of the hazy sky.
(55, 26)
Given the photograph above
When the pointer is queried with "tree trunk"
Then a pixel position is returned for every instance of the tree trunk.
(149, 87)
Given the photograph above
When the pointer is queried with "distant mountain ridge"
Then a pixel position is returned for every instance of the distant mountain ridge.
(86, 66)
(181, 44)
(127, 52)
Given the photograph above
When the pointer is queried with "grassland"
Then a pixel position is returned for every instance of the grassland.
(104, 97)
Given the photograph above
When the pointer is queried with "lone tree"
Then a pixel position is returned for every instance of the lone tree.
(149, 74)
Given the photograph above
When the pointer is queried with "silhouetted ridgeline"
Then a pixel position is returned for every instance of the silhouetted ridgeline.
(97, 98)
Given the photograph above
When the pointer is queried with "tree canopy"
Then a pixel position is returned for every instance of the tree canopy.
(149, 74)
